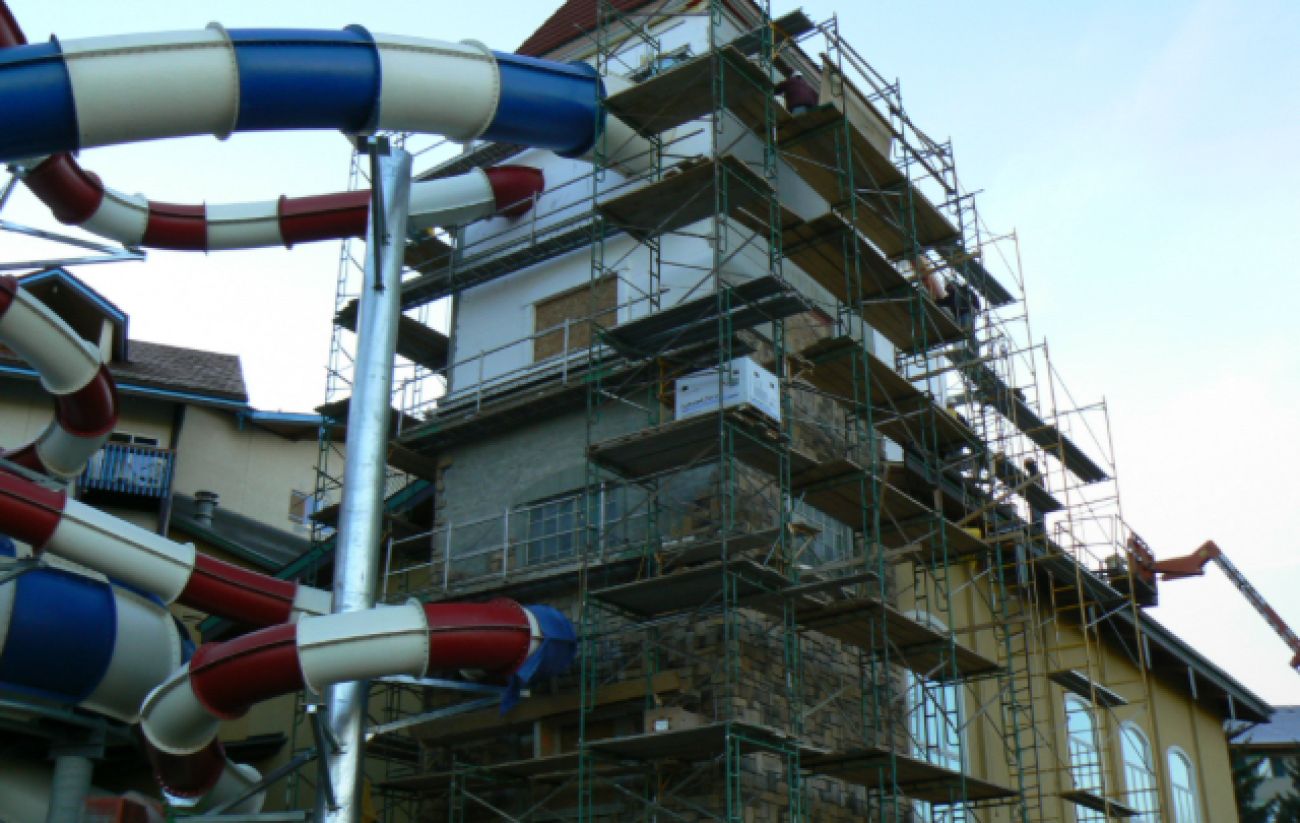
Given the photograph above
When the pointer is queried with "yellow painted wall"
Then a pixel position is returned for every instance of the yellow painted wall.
(1165, 711)
(252, 470)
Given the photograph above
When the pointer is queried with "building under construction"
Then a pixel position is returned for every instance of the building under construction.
(760, 409)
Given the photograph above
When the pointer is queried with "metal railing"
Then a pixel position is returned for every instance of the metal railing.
(129, 469)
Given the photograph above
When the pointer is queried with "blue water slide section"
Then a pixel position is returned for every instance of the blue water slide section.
(546, 104)
(305, 79)
(37, 112)
(61, 636)
(554, 655)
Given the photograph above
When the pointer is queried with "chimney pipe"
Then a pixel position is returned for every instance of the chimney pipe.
(205, 504)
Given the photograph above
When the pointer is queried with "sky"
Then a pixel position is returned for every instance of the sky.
(1144, 153)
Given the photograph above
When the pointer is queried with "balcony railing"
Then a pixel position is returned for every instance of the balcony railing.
(129, 469)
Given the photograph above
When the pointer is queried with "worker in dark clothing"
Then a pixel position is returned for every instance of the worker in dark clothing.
(799, 94)
(964, 305)
(1037, 518)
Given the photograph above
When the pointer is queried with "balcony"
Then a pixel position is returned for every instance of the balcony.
(143, 471)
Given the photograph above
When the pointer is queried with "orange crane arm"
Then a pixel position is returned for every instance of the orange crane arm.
(1194, 564)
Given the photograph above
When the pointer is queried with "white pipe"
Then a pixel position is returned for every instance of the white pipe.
(123, 551)
(136, 87)
(363, 645)
(172, 718)
(64, 361)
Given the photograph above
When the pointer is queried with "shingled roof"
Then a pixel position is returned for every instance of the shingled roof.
(173, 368)
(158, 365)
(571, 20)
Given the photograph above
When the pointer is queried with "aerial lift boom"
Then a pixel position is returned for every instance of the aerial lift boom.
(1194, 564)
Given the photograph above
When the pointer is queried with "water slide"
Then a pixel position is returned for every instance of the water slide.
(80, 94)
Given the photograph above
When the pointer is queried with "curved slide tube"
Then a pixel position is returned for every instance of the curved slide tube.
(220, 81)
(106, 91)
(124, 643)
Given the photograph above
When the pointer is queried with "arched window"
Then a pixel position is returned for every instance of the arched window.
(936, 723)
(1085, 755)
(1139, 774)
(1182, 787)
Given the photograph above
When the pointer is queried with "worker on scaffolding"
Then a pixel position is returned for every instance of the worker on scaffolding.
(1037, 517)
(964, 305)
(799, 94)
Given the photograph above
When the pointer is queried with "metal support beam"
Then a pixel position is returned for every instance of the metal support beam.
(356, 563)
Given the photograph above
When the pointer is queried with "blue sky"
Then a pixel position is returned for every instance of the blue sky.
(1144, 153)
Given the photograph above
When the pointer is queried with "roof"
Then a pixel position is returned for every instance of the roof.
(1283, 729)
(571, 20)
(158, 368)
(266, 547)
(173, 368)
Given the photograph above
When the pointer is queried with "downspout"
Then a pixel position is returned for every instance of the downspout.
(173, 444)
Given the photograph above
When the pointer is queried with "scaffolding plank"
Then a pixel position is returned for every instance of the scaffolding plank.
(682, 443)
(693, 587)
(690, 195)
(698, 743)
(1012, 405)
(1033, 492)
(416, 342)
(688, 550)
(880, 770)
(863, 621)
(979, 277)
(1079, 683)
(890, 209)
(445, 274)
(844, 490)
(751, 303)
(837, 366)
(788, 27)
(1091, 800)
(720, 79)
(490, 722)
(824, 248)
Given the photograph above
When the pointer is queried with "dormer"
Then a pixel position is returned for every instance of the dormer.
(88, 312)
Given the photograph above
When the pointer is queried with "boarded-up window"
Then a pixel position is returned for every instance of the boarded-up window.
(596, 300)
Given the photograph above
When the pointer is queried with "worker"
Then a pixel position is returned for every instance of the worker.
(1037, 517)
(964, 305)
(799, 94)
(933, 282)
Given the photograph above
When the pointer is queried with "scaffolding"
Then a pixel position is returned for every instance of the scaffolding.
(861, 602)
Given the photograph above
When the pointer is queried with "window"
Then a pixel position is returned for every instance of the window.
(1182, 788)
(302, 506)
(1139, 774)
(1085, 755)
(552, 530)
(935, 722)
(127, 439)
(554, 317)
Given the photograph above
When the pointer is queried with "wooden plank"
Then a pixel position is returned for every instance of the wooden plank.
(880, 770)
(719, 80)
(490, 721)
(1091, 800)
(688, 194)
(692, 588)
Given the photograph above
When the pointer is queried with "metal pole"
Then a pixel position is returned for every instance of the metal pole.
(356, 560)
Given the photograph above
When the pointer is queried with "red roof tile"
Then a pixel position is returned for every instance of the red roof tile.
(574, 18)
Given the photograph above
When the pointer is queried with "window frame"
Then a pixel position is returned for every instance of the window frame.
(1144, 799)
(1085, 775)
(1190, 795)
